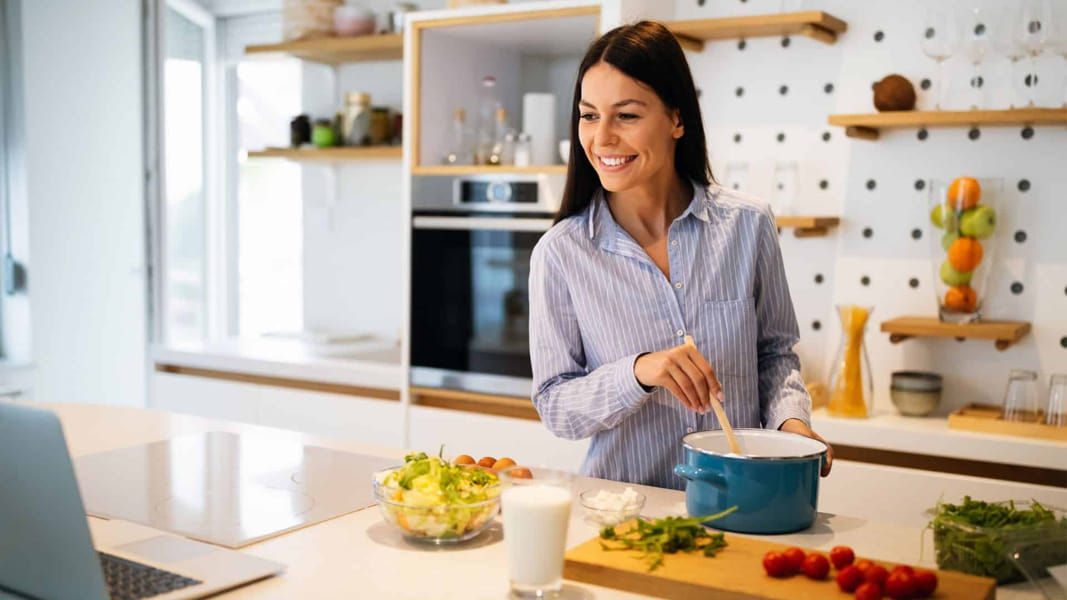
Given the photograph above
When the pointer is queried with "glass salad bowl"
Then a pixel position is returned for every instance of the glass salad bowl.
(429, 500)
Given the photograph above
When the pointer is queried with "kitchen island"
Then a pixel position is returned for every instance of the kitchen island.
(358, 555)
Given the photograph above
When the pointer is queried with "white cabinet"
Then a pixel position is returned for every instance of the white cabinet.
(526, 441)
(321, 413)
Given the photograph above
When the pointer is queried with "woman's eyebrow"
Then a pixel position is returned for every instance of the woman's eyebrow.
(618, 104)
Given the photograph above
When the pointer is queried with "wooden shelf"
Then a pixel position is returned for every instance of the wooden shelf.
(989, 419)
(867, 126)
(486, 170)
(807, 226)
(337, 154)
(338, 50)
(813, 23)
(1005, 333)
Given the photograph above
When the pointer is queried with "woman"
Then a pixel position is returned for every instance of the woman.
(646, 250)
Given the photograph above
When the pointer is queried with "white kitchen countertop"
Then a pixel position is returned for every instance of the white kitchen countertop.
(373, 364)
(931, 436)
(359, 555)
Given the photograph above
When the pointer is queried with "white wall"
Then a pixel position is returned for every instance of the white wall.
(83, 124)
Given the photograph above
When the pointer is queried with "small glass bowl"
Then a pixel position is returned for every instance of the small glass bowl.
(604, 517)
(440, 524)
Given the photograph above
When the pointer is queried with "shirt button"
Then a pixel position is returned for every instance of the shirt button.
(674, 242)
(678, 285)
(680, 333)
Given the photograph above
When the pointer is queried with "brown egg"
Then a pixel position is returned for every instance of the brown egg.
(464, 459)
(487, 462)
(521, 473)
(503, 463)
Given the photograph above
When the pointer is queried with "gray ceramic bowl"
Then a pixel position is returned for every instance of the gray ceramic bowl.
(914, 393)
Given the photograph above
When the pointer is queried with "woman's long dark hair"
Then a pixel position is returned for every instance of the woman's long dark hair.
(647, 52)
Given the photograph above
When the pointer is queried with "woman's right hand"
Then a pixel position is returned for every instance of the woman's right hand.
(684, 372)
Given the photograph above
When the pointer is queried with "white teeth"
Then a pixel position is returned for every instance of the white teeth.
(614, 162)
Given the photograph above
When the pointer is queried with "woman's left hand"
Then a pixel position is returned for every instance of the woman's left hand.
(798, 426)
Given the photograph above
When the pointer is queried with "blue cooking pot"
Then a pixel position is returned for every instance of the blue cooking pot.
(774, 483)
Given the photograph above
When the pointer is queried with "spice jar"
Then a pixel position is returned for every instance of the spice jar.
(355, 125)
(379, 126)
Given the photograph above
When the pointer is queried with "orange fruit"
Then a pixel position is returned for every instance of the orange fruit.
(964, 254)
(961, 298)
(963, 193)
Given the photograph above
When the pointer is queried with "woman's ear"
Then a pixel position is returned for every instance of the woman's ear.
(679, 128)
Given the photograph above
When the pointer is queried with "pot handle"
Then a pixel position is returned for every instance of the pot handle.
(695, 473)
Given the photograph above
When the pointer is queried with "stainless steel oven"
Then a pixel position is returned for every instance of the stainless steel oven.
(471, 245)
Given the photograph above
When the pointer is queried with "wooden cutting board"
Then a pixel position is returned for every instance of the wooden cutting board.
(735, 573)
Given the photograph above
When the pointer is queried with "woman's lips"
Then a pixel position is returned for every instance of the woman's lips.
(615, 163)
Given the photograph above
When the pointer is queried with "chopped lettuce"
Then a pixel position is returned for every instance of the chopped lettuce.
(430, 497)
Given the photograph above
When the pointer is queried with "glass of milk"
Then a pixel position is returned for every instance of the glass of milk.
(536, 511)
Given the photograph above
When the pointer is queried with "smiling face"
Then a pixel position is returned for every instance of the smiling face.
(626, 131)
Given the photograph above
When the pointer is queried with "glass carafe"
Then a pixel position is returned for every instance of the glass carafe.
(851, 388)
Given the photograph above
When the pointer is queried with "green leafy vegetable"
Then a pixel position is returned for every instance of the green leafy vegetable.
(975, 537)
(666, 536)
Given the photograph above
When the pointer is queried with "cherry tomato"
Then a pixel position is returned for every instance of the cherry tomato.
(816, 566)
(794, 557)
(775, 564)
(903, 569)
(863, 565)
(842, 556)
(849, 578)
(925, 583)
(876, 575)
(900, 585)
(868, 591)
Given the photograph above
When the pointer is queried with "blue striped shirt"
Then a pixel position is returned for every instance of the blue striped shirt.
(597, 301)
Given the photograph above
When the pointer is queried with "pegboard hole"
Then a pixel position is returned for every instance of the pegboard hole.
(879, 36)
(1024, 185)
(925, 84)
(783, 89)
(816, 325)
(823, 184)
(1016, 288)
(818, 279)
(920, 184)
(871, 184)
(828, 88)
(913, 282)
(974, 133)
(781, 137)
(865, 280)
(1063, 341)
(868, 232)
(1020, 236)
(923, 134)
(1027, 133)
(785, 42)
(737, 138)
(826, 136)
(741, 44)
(740, 91)
(916, 234)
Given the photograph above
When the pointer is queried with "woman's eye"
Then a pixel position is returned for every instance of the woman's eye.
(587, 116)
(627, 116)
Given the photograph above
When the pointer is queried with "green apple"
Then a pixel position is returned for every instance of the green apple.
(948, 238)
(953, 277)
(943, 216)
(978, 222)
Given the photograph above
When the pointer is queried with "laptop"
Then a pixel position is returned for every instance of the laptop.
(47, 552)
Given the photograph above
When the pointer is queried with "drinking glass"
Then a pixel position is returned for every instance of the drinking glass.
(977, 44)
(1056, 413)
(736, 176)
(939, 39)
(536, 512)
(1020, 399)
(1033, 26)
(785, 186)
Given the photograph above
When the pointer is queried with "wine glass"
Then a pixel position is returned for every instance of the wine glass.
(1032, 26)
(977, 44)
(938, 41)
(1008, 43)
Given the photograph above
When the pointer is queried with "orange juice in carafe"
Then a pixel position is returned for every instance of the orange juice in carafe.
(851, 391)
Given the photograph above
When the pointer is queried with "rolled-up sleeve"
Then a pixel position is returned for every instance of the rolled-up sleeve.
(781, 389)
(573, 402)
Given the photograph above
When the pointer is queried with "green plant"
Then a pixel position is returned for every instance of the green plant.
(666, 536)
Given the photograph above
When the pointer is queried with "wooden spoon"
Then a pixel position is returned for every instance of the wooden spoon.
(719, 412)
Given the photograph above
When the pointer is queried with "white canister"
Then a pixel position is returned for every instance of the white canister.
(539, 120)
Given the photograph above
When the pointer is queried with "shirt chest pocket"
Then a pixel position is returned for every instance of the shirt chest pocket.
(729, 332)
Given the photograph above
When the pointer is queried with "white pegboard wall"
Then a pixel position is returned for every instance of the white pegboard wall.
(766, 101)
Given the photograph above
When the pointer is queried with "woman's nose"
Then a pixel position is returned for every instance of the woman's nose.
(605, 132)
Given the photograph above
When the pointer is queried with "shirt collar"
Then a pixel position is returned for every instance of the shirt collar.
(602, 225)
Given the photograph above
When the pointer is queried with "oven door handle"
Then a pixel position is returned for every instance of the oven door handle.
(481, 224)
